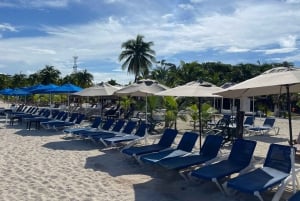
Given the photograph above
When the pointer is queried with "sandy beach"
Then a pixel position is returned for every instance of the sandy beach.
(40, 165)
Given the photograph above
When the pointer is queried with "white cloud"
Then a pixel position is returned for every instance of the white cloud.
(186, 6)
(7, 27)
(288, 42)
(279, 50)
(236, 49)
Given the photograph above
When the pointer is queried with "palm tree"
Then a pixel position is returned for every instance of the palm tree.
(49, 75)
(138, 56)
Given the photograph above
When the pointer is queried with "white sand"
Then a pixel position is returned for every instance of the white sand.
(40, 165)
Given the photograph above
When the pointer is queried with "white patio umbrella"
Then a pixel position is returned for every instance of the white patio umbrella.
(143, 88)
(271, 82)
(193, 89)
(104, 89)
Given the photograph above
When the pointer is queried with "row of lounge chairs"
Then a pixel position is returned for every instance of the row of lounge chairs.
(47, 118)
(111, 132)
(209, 165)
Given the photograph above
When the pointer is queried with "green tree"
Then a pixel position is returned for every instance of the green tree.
(83, 79)
(137, 56)
(49, 75)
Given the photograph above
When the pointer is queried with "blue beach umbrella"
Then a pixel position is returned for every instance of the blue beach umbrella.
(6, 91)
(66, 88)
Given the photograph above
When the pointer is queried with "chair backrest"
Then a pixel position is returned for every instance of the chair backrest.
(168, 137)
(141, 131)
(60, 114)
(108, 123)
(249, 120)
(79, 118)
(119, 125)
(65, 116)
(269, 122)
(54, 113)
(187, 141)
(129, 127)
(96, 122)
(211, 145)
(242, 151)
(279, 157)
(46, 113)
(73, 117)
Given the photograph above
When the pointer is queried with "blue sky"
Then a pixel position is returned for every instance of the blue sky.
(35, 33)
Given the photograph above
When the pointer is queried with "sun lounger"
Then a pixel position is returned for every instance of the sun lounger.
(128, 129)
(165, 142)
(209, 151)
(268, 125)
(276, 169)
(86, 133)
(184, 147)
(138, 135)
(95, 135)
(239, 159)
(94, 125)
(72, 122)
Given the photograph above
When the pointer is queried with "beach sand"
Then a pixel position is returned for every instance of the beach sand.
(40, 165)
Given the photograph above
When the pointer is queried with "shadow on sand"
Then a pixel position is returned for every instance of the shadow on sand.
(72, 145)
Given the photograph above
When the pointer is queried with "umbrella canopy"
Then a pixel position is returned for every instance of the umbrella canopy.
(104, 89)
(142, 88)
(42, 89)
(6, 91)
(265, 84)
(19, 92)
(66, 88)
(193, 89)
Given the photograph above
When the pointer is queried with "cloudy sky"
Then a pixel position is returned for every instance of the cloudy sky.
(35, 33)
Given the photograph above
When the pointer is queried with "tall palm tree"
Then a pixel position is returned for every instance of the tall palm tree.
(49, 75)
(138, 56)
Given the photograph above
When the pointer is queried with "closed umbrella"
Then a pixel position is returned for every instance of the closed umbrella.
(274, 81)
(193, 89)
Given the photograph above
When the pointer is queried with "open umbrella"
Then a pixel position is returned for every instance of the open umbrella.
(6, 91)
(193, 89)
(65, 89)
(104, 89)
(143, 88)
(270, 82)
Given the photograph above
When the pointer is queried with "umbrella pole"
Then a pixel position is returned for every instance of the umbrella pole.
(200, 120)
(288, 97)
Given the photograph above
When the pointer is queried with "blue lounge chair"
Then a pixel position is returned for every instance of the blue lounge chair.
(295, 197)
(65, 119)
(139, 134)
(185, 146)
(239, 158)
(165, 142)
(116, 131)
(61, 116)
(94, 125)
(71, 123)
(86, 133)
(249, 122)
(267, 126)
(276, 169)
(209, 151)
